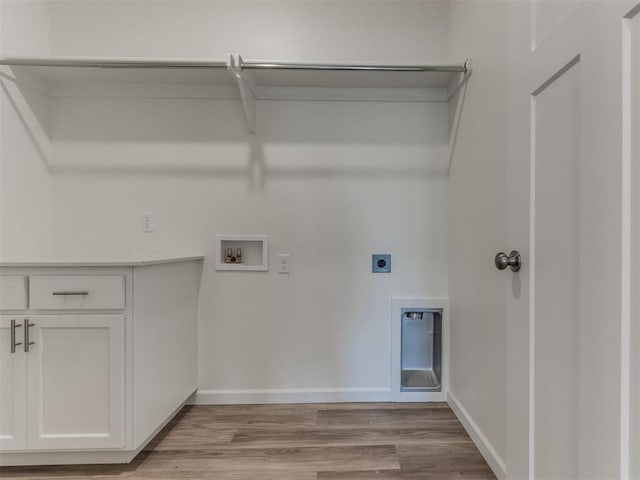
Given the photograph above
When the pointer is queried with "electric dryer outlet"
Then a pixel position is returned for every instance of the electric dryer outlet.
(381, 263)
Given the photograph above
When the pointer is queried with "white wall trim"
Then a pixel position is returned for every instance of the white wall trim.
(353, 94)
(230, 92)
(16, 459)
(630, 76)
(25, 78)
(486, 449)
(61, 457)
(142, 90)
(287, 395)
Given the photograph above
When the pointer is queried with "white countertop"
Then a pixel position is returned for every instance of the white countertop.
(111, 261)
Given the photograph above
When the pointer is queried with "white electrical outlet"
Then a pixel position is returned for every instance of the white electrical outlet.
(147, 223)
(284, 265)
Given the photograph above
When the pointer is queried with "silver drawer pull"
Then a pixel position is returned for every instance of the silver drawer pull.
(27, 342)
(14, 344)
(73, 292)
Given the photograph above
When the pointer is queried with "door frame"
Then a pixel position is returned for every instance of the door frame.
(630, 332)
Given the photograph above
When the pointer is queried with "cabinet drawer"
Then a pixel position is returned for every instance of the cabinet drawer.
(76, 292)
(13, 292)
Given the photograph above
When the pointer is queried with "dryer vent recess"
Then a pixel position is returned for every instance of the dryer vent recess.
(421, 350)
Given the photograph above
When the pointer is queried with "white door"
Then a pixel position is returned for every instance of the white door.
(76, 382)
(13, 385)
(566, 414)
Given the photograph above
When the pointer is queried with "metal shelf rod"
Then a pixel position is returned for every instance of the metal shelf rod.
(112, 63)
(245, 65)
(202, 63)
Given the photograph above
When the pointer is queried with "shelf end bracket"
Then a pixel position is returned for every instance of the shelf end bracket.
(459, 89)
(234, 67)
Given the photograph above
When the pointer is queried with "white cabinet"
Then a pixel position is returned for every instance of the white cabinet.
(13, 386)
(66, 390)
(105, 354)
(76, 292)
(13, 292)
(75, 374)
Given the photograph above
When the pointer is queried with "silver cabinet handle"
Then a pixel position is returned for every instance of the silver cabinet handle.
(14, 344)
(72, 292)
(27, 343)
(512, 261)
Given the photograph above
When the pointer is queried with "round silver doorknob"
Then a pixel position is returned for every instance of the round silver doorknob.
(512, 260)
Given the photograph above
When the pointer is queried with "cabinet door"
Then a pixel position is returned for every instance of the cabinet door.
(13, 388)
(76, 382)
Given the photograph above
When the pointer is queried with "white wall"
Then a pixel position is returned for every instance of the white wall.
(477, 222)
(25, 27)
(329, 182)
(25, 177)
(332, 30)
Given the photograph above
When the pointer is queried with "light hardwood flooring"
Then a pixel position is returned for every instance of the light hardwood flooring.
(382, 441)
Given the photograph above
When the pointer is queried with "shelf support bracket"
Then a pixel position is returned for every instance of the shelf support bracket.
(246, 93)
(459, 89)
(463, 78)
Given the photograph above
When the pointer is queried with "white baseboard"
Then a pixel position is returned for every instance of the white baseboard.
(486, 449)
(407, 397)
(11, 459)
(298, 395)
(61, 457)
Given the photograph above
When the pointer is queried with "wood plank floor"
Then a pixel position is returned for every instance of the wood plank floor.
(382, 441)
